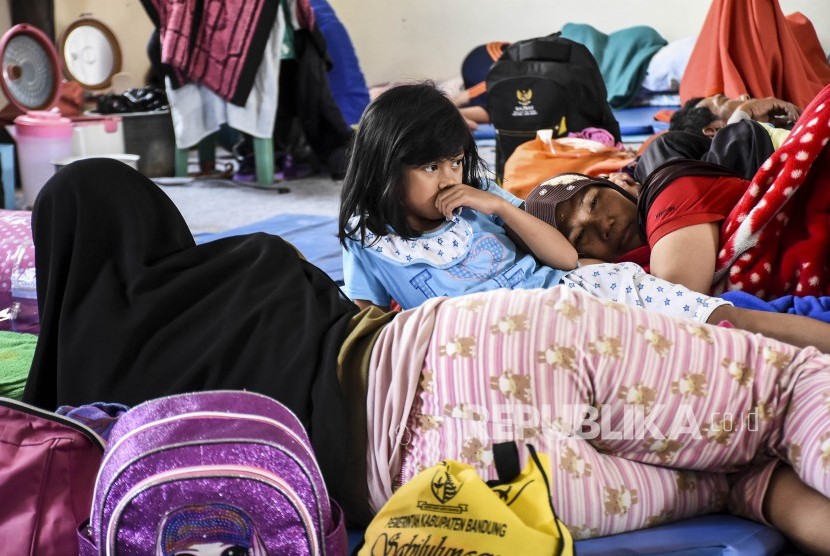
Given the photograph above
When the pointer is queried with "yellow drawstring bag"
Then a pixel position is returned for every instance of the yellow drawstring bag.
(450, 509)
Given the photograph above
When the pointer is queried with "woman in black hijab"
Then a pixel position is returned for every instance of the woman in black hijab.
(131, 309)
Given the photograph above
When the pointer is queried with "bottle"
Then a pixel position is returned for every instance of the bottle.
(23, 310)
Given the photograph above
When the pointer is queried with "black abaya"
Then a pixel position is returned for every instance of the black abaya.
(131, 309)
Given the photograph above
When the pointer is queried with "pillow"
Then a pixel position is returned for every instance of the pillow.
(667, 66)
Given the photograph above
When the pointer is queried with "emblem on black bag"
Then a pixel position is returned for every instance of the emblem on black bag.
(524, 96)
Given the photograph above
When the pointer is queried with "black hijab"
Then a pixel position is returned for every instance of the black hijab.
(741, 147)
(131, 309)
(671, 145)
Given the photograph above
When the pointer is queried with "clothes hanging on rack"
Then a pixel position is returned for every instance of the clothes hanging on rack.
(218, 43)
(198, 111)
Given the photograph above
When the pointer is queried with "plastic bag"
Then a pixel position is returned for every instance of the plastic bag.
(18, 292)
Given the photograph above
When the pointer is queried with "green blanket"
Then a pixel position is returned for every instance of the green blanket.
(623, 56)
(16, 353)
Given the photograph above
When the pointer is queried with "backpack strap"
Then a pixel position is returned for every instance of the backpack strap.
(336, 541)
(86, 547)
(506, 460)
(543, 50)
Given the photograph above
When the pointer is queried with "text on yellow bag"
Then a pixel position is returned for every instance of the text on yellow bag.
(449, 509)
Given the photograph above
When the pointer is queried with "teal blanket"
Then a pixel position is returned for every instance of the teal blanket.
(623, 56)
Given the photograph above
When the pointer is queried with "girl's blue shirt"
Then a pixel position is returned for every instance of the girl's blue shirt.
(471, 253)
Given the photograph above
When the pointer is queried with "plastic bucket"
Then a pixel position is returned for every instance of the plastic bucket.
(150, 135)
(41, 137)
(130, 160)
(97, 135)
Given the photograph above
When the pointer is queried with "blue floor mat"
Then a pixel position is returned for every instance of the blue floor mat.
(313, 234)
(715, 535)
(712, 534)
(484, 131)
(640, 120)
(636, 122)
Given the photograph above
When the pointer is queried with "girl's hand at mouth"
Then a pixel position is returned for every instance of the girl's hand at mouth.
(457, 195)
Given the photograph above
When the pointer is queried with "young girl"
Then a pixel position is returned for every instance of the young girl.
(418, 220)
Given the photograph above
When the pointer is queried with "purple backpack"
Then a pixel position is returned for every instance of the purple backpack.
(226, 469)
(47, 472)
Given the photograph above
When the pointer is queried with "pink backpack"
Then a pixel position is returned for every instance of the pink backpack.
(222, 468)
(48, 465)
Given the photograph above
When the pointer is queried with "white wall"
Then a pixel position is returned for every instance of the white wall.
(416, 39)
(5, 25)
(402, 39)
(5, 16)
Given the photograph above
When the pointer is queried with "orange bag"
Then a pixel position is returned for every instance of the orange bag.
(543, 157)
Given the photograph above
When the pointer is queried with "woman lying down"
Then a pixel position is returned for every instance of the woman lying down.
(647, 419)
(767, 236)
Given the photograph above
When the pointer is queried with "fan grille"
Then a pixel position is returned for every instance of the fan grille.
(27, 72)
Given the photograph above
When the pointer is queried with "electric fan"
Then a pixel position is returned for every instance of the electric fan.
(30, 76)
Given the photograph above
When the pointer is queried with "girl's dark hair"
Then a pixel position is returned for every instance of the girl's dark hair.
(692, 118)
(407, 125)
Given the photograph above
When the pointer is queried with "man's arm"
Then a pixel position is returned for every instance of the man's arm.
(687, 256)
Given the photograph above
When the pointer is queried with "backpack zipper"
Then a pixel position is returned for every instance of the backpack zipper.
(214, 471)
(211, 414)
(307, 473)
(517, 133)
(93, 436)
(321, 497)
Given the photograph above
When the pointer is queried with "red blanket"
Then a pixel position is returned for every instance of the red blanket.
(777, 239)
